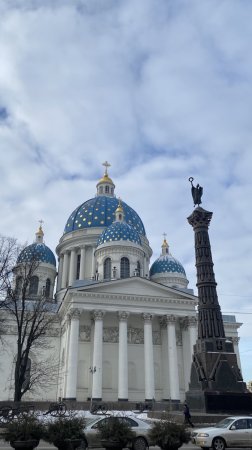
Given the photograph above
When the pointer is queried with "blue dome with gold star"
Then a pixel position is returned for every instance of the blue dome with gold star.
(167, 263)
(37, 251)
(100, 212)
(119, 231)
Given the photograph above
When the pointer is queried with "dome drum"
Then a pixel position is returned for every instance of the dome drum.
(109, 260)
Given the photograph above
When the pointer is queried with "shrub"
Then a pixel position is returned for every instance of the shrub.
(70, 427)
(25, 427)
(168, 434)
(115, 429)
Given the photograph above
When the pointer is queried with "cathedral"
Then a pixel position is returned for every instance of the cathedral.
(124, 328)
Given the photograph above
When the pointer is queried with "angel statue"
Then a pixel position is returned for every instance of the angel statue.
(196, 192)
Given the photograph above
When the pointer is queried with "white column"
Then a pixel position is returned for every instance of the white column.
(164, 346)
(65, 270)
(82, 264)
(73, 267)
(123, 356)
(93, 263)
(172, 358)
(193, 332)
(236, 349)
(60, 272)
(72, 364)
(97, 355)
(190, 337)
(148, 358)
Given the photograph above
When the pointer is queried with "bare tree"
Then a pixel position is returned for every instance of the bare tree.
(34, 317)
(9, 250)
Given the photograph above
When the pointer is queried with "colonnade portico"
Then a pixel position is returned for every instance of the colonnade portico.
(68, 265)
(170, 367)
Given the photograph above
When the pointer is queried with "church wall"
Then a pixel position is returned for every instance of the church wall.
(7, 352)
(136, 372)
(7, 367)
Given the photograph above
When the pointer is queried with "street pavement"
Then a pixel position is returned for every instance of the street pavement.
(45, 446)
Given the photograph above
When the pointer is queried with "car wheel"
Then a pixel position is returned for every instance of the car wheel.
(140, 444)
(82, 446)
(219, 443)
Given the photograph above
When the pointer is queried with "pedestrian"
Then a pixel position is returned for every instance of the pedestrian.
(187, 415)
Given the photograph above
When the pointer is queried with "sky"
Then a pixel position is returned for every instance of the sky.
(161, 90)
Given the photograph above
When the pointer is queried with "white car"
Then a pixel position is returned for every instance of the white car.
(140, 427)
(230, 432)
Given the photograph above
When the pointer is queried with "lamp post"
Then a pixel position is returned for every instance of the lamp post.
(92, 370)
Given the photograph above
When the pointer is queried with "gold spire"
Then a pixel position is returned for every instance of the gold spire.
(40, 232)
(119, 212)
(105, 185)
(119, 207)
(165, 246)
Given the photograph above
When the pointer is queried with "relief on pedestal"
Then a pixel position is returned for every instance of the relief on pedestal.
(85, 333)
(111, 334)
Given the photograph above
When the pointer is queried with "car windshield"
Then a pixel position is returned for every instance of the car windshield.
(91, 421)
(224, 423)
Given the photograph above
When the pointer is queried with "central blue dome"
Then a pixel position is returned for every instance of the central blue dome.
(119, 231)
(100, 212)
(37, 252)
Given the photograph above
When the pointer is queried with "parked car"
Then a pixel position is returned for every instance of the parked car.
(229, 432)
(140, 427)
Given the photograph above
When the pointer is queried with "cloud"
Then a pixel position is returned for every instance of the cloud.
(163, 93)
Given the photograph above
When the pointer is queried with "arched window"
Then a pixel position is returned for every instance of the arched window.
(138, 267)
(78, 267)
(47, 288)
(107, 269)
(107, 189)
(125, 268)
(33, 288)
(19, 283)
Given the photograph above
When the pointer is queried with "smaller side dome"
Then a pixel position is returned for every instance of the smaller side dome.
(119, 231)
(168, 270)
(37, 251)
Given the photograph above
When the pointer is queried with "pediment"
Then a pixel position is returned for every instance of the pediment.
(136, 286)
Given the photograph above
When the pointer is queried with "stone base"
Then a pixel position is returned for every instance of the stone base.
(122, 400)
(219, 402)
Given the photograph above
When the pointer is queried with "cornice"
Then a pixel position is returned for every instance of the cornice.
(133, 298)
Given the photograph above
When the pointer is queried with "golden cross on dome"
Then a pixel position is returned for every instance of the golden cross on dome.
(40, 226)
(164, 234)
(106, 165)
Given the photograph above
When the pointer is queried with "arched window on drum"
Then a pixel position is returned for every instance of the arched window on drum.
(47, 288)
(107, 269)
(33, 288)
(124, 268)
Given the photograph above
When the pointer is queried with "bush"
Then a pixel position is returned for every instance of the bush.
(70, 427)
(25, 427)
(115, 429)
(168, 434)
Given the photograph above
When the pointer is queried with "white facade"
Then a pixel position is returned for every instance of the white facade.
(122, 331)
